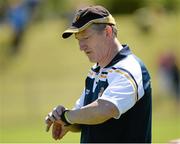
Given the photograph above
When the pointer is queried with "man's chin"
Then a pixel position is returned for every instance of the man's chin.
(92, 60)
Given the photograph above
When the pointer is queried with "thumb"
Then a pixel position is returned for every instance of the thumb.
(49, 123)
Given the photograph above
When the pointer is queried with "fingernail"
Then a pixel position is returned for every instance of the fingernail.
(47, 129)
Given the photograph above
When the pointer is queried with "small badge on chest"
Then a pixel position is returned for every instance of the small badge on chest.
(101, 92)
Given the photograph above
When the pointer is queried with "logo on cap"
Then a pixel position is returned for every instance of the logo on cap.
(76, 18)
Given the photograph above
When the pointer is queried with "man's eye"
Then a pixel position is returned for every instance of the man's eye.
(86, 38)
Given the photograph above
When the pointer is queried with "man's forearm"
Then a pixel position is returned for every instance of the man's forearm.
(95, 113)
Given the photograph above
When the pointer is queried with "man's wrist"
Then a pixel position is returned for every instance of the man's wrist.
(65, 119)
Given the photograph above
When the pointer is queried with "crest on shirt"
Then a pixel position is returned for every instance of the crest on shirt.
(101, 92)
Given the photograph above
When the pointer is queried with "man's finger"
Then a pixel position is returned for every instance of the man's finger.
(55, 115)
(56, 130)
(49, 123)
(51, 117)
(60, 109)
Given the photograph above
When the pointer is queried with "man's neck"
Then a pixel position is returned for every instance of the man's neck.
(115, 47)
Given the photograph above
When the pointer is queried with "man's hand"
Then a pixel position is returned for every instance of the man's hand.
(53, 116)
(59, 130)
(56, 130)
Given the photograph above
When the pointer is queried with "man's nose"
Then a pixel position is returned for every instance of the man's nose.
(82, 45)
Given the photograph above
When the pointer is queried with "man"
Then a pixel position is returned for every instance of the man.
(116, 103)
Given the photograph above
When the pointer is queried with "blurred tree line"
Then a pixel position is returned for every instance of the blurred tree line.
(62, 7)
(129, 6)
(51, 8)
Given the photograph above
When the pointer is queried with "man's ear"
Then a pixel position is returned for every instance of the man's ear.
(109, 31)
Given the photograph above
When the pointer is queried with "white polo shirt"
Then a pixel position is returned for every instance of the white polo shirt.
(119, 83)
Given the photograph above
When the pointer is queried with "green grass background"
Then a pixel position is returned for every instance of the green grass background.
(50, 71)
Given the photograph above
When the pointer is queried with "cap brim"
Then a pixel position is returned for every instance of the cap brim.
(67, 33)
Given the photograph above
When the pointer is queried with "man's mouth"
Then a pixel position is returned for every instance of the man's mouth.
(87, 52)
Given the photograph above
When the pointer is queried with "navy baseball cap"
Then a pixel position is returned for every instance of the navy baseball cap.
(87, 16)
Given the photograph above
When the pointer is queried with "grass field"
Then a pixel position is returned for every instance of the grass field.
(50, 71)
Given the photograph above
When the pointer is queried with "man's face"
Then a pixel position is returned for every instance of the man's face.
(92, 43)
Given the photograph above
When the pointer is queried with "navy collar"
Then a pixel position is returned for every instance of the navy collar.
(124, 52)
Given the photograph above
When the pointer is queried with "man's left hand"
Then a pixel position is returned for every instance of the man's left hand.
(59, 130)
